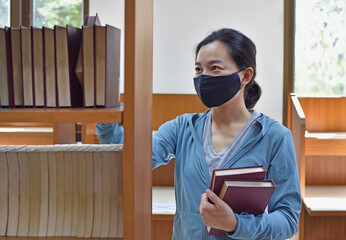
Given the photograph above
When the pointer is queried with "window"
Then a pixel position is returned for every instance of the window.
(62, 12)
(4, 13)
(320, 48)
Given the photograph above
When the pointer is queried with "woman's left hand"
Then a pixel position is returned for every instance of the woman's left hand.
(218, 215)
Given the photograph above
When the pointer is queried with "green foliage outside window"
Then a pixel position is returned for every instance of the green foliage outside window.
(320, 47)
(58, 12)
(4, 13)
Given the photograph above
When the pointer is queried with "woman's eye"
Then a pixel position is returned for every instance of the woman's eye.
(197, 69)
(215, 68)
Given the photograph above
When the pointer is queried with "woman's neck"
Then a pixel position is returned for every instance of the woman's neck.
(232, 112)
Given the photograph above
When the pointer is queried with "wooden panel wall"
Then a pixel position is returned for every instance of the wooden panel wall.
(324, 114)
(324, 227)
(325, 170)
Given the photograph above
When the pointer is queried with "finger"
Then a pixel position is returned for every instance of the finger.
(213, 197)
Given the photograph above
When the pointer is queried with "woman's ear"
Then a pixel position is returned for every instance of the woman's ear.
(247, 76)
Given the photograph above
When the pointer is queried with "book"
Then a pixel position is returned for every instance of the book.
(44, 194)
(9, 67)
(16, 84)
(89, 211)
(37, 65)
(247, 196)
(75, 196)
(96, 230)
(74, 40)
(89, 21)
(107, 65)
(24, 191)
(52, 202)
(4, 193)
(13, 193)
(92, 20)
(62, 67)
(4, 97)
(25, 47)
(82, 193)
(88, 66)
(68, 204)
(220, 175)
(106, 189)
(35, 193)
(60, 193)
(49, 68)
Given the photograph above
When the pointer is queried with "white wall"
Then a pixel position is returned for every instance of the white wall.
(181, 24)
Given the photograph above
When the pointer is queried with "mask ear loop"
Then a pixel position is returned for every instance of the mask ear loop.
(242, 69)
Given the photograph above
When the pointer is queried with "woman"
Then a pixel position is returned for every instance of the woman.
(231, 134)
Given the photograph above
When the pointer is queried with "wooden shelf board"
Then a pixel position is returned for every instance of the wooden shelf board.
(325, 200)
(62, 115)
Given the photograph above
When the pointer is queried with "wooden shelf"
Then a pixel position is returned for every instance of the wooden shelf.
(62, 115)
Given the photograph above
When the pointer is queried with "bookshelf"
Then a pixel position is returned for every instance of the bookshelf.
(136, 117)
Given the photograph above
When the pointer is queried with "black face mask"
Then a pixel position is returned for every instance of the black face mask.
(216, 90)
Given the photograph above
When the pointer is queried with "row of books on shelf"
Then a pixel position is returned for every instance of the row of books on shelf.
(244, 189)
(60, 67)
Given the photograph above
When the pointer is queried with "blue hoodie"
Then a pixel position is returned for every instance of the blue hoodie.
(270, 144)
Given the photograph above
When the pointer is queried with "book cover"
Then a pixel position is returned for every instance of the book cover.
(25, 47)
(4, 97)
(74, 40)
(37, 65)
(13, 193)
(247, 196)
(16, 85)
(9, 67)
(107, 65)
(49, 68)
(88, 66)
(220, 175)
(62, 67)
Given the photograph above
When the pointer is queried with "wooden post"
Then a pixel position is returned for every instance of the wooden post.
(137, 166)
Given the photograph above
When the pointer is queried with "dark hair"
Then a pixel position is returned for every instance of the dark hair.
(243, 52)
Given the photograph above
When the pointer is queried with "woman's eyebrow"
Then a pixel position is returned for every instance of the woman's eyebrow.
(210, 62)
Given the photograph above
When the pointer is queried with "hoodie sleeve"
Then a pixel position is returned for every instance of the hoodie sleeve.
(164, 143)
(284, 207)
(108, 133)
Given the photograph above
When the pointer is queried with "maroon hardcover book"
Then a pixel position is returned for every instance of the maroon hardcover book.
(220, 175)
(247, 196)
